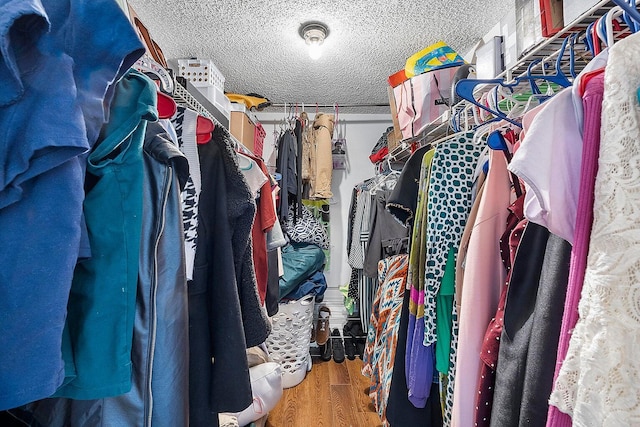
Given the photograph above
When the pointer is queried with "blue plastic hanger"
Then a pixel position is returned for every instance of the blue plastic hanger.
(558, 78)
(496, 141)
(587, 39)
(572, 53)
(454, 121)
(630, 9)
(634, 26)
(592, 41)
(601, 29)
(465, 88)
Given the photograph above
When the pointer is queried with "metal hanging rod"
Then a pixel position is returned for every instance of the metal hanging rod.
(313, 104)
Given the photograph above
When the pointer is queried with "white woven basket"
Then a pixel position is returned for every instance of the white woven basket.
(289, 340)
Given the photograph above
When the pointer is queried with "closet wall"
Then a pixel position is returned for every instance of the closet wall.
(362, 133)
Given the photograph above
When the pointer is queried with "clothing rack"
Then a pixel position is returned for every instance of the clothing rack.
(314, 104)
(545, 51)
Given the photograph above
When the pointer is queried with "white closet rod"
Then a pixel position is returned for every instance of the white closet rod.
(313, 104)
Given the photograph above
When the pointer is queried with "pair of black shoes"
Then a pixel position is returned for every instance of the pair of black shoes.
(354, 339)
(333, 348)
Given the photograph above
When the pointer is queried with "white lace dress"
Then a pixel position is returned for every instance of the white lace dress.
(599, 382)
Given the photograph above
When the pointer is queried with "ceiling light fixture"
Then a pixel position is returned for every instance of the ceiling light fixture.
(314, 34)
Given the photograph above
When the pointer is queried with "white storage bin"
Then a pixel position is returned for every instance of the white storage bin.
(289, 340)
(572, 9)
(201, 72)
(217, 97)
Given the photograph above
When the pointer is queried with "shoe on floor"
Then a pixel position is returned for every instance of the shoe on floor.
(338, 346)
(325, 351)
(322, 327)
(349, 342)
(360, 344)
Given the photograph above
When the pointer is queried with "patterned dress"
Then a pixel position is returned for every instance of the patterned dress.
(449, 202)
(384, 324)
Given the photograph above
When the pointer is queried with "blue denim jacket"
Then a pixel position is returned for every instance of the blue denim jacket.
(59, 60)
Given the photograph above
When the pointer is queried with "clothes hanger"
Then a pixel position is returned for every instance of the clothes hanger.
(633, 25)
(593, 42)
(204, 127)
(148, 65)
(572, 53)
(384, 178)
(481, 132)
(167, 107)
(610, 24)
(496, 141)
(558, 78)
(630, 8)
(601, 29)
(466, 87)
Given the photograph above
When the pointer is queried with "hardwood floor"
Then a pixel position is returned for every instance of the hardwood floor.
(332, 395)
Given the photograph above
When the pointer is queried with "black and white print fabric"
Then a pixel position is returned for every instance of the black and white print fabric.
(449, 203)
(185, 125)
(306, 228)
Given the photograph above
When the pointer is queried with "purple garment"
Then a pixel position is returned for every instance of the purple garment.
(592, 103)
(421, 361)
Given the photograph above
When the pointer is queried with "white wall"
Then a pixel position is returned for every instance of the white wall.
(362, 133)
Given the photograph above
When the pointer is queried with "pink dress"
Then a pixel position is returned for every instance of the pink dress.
(484, 280)
(592, 102)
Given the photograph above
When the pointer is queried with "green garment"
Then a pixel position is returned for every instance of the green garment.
(98, 334)
(418, 254)
(444, 309)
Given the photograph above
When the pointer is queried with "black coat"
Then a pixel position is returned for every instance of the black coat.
(225, 317)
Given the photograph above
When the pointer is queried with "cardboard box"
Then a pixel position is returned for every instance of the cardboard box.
(552, 18)
(243, 129)
(393, 139)
(397, 133)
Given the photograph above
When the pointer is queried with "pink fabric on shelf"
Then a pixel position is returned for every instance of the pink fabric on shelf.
(592, 104)
(422, 99)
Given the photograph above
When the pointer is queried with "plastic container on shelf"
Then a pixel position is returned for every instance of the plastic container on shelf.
(290, 338)
(217, 97)
(201, 72)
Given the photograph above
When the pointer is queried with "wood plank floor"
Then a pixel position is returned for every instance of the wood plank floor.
(332, 395)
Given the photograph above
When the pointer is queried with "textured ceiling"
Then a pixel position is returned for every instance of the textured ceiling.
(256, 45)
